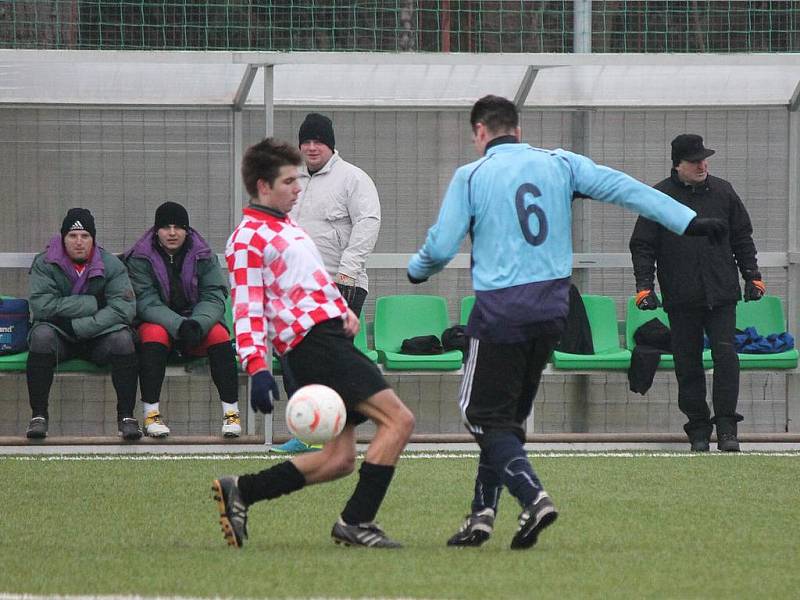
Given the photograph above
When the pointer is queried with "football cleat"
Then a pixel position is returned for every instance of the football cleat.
(154, 426)
(231, 424)
(294, 446)
(476, 529)
(369, 535)
(232, 510)
(537, 515)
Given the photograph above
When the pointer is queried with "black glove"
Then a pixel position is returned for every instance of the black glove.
(190, 332)
(64, 325)
(647, 300)
(414, 280)
(714, 229)
(263, 392)
(754, 290)
(101, 299)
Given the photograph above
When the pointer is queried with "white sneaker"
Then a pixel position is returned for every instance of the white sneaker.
(231, 424)
(154, 426)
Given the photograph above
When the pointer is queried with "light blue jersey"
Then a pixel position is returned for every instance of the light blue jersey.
(516, 203)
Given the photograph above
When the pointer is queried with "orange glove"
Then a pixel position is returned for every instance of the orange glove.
(646, 300)
(754, 290)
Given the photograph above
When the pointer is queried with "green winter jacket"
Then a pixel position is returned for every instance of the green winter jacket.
(51, 295)
(201, 268)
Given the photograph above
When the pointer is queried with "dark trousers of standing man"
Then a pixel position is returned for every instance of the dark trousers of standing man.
(687, 347)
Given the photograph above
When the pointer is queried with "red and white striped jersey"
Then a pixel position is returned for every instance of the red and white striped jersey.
(279, 286)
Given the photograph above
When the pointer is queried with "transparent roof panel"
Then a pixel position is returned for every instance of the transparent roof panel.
(678, 86)
(124, 83)
(395, 80)
(390, 85)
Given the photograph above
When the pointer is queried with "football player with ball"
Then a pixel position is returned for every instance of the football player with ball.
(283, 296)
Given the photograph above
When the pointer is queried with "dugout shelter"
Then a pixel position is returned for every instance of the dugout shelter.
(120, 132)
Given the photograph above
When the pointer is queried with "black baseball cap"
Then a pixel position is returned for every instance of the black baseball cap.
(689, 147)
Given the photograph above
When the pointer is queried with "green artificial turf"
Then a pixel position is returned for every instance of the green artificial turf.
(710, 526)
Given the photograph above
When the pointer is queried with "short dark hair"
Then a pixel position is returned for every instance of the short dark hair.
(264, 160)
(498, 114)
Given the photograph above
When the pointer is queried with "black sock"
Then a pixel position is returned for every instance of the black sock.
(507, 455)
(373, 482)
(283, 478)
(488, 485)
(125, 379)
(40, 369)
(222, 364)
(152, 366)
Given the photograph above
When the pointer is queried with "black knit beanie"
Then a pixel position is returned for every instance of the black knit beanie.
(78, 219)
(317, 127)
(172, 213)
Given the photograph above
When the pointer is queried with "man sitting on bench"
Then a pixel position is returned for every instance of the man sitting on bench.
(82, 303)
(180, 303)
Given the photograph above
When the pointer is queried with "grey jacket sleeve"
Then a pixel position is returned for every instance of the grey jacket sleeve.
(364, 209)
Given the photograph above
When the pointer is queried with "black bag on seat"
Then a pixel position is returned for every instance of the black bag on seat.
(454, 338)
(422, 344)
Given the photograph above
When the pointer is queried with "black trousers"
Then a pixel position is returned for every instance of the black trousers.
(48, 348)
(688, 325)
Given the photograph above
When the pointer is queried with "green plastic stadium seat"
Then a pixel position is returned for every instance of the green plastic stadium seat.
(18, 362)
(14, 362)
(767, 317)
(467, 302)
(608, 354)
(79, 365)
(635, 318)
(361, 342)
(401, 317)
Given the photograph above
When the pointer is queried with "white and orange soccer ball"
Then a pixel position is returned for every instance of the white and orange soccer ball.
(315, 414)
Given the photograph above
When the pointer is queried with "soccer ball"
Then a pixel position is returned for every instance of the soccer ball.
(315, 414)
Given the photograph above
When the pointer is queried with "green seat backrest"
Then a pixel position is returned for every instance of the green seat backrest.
(467, 302)
(635, 318)
(229, 317)
(602, 315)
(401, 317)
(360, 340)
(766, 315)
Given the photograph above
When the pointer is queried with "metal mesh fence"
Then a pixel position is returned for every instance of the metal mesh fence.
(400, 25)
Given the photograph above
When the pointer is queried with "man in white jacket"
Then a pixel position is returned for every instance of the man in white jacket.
(340, 210)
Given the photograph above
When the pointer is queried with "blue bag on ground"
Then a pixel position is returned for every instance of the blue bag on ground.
(14, 325)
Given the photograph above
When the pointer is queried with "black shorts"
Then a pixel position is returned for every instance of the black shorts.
(327, 356)
(500, 382)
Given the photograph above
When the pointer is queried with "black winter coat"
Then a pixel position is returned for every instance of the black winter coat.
(691, 271)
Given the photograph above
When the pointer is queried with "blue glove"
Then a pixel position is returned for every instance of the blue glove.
(263, 392)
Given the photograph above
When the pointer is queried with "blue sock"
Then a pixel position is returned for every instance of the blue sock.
(488, 486)
(507, 456)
